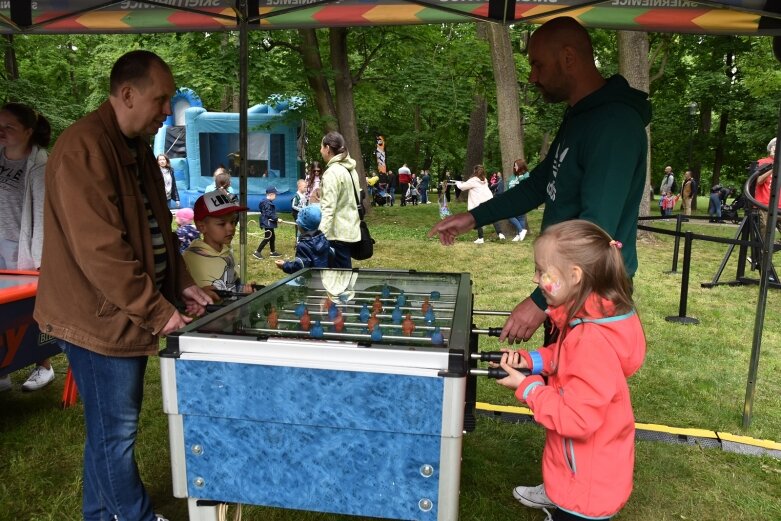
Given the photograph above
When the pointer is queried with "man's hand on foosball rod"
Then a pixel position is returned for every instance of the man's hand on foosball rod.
(524, 320)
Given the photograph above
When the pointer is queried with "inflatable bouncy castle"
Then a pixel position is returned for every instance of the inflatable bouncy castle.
(198, 142)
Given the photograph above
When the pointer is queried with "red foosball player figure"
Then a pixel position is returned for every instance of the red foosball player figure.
(377, 306)
(408, 326)
(305, 321)
(273, 318)
(424, 307)
(339, 323)
(372, 323)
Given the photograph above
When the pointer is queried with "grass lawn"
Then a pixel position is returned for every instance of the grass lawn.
(694, 376)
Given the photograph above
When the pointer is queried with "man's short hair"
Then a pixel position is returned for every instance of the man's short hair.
(133, 67)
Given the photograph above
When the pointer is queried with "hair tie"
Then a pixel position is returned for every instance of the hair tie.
(617, 244)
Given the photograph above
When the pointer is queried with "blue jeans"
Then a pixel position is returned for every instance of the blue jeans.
(111, 390)
(714, 206)
(340, 255)
(518, 222)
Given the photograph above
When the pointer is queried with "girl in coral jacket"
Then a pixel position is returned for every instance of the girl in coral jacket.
(585, 407)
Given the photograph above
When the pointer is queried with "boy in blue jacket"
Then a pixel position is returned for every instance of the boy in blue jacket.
(312, 249)
(268, 221)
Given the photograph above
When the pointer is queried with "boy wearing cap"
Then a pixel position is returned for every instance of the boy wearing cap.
(312, 248)
(210, 260)
(268, 221)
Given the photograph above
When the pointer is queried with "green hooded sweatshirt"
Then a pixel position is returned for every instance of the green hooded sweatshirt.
(595, 170)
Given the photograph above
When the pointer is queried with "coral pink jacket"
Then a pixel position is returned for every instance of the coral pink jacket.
(585, 407)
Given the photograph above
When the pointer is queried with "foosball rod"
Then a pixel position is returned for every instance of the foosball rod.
(441, 317)
(391, 303)
(491, 331)
(488, 312)
(339, 336)
(363, 326)
(396, 293)
(389, 317)
(443, 311)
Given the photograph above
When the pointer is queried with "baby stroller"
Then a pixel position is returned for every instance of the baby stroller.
(381, 197)
(412, 194)
(729, 212)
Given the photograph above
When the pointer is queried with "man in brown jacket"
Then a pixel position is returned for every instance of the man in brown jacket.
(110, 271)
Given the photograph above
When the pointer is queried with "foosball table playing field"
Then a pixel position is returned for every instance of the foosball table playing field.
(343, 391)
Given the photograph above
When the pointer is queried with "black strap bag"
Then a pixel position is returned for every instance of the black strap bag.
(364, 248)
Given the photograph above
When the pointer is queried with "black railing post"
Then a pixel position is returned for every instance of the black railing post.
(676, 249)
(681, 318)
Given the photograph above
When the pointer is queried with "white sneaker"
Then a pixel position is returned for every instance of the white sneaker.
(501, 237)
(517, 238)
(38, 379)
(522, 235)
(479, 241)
(5, 383)
(533, 497)
(159, 517)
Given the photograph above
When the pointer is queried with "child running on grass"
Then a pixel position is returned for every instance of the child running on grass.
(585, 407)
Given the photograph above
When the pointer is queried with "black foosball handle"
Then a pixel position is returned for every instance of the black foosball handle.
(488, 356)
(496, 373)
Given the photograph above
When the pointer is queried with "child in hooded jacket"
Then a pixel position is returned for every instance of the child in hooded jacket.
(312, 248)
(585, 407)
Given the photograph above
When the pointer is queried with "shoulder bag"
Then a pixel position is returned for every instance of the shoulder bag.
(364, 248)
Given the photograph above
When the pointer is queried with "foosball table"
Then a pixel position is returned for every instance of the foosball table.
(342, 391)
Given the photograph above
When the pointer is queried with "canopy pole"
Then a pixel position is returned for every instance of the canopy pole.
(766, 262)
(243, 104)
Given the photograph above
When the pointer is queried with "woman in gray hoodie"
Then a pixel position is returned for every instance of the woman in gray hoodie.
(24, 136)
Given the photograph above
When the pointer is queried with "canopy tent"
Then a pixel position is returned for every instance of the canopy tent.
(735, 17)
(743, 17)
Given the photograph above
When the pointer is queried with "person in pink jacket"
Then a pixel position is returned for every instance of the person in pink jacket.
(479, 192)
(578, 387)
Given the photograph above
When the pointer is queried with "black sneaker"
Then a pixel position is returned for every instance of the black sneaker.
(274, 254)
(257, 255)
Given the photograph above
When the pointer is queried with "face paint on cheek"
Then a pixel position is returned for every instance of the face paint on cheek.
(550, 284)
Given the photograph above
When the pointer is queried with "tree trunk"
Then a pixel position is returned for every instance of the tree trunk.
(544, 145)
(508, 108)
(345, 104)
(633, 65)
(718, 159)
(313, 65)
(475, 140)
(11, 67)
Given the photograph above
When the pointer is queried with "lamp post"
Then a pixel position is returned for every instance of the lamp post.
(692, 114)
(693, 108)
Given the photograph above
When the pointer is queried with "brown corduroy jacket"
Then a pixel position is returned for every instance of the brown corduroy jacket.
(96, 287)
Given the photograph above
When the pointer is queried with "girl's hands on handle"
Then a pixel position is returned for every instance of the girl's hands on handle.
(523, 322)
(513, 378)
(450, 228)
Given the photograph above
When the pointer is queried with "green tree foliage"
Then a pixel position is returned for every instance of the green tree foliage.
(415, 85)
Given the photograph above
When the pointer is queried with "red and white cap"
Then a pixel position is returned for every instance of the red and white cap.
(215, 204)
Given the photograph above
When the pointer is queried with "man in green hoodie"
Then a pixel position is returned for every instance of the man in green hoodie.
(595, 168)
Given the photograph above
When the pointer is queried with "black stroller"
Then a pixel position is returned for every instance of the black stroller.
(729, 212)
(381, 197)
